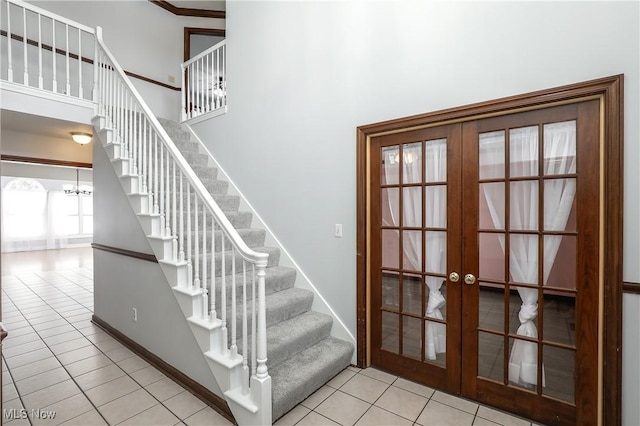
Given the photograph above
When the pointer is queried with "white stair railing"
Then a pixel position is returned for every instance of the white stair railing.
(42, 50)
(204, 82)
(192, 223)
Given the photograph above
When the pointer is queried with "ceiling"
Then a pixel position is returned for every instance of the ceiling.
(37, 125)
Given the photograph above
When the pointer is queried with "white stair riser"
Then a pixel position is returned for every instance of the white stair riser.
(176, 274)
(150, 224)
(227, 377)
(205, 337)
(113, 150)
(140, 203)
(130, 183)
(163, 249)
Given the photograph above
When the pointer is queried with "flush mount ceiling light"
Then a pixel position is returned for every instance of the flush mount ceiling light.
(81, 138)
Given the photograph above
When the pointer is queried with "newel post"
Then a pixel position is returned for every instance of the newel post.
(261, 382)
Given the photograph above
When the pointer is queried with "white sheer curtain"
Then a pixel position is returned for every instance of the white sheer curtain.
(435, 216)
(559, 155)
(436, 244)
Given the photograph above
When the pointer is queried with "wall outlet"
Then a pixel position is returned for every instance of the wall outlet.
(338, 230)
(135, 315)
(172, 79)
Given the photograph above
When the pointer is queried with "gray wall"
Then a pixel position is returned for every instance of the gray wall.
(303, 75)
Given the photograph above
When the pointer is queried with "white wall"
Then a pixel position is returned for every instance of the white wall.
(303, 75)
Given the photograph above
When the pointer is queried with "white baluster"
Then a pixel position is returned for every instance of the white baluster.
(80, 91)
(161, 194)
(53, 56)
(156, 208)
(245, 337)
(174, 216)
(213, 269)
(97, 70)
(218, 79)
(189, 263)
(183, 98)
(9, 39)
(262, 371)
(25, 76)
(68, 86)
(181, 242)
(223, 297)
(167, 205)
(205, 300)
(40, 78)
(203, 89)
(254, 324)
(234, 314)
(146, 187)
(196, 263)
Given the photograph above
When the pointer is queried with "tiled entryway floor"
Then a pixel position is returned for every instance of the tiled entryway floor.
(56, 361)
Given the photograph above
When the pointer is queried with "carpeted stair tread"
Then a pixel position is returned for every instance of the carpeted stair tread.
(298, 377)
(287, 338)
(240, 219)
(253, 237)
(277, 278)
(281, 306)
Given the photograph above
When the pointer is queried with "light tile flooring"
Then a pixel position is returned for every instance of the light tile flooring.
(56, 361)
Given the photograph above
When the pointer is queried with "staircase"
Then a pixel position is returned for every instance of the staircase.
(302, 356)
(265, 347)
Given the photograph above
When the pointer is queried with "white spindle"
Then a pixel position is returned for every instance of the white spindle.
(205, 301)
(261, 355)
(223, 296)
(212, 298)
(234, 337)
(167, 205)
(9, 39)
(163, 219)
(174, 216)
(54, 53)
(245, 337)
(146, 186)
(196, 262)
(156, 208)
(189, 264)
(254, 325)
(181, 242)
(183, 98)
(218, 79)
(40, 77)
(68, 70)
(80, 91)
(24, 47)
(203, 89)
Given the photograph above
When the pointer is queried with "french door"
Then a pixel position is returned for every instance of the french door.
(485, 259)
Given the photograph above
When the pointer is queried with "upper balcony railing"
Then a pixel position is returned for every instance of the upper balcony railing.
(204, 82)
(45, 51)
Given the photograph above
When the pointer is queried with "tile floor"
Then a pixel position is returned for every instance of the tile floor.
(55, 361)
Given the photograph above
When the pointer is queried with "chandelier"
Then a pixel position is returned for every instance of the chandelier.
(77, 189)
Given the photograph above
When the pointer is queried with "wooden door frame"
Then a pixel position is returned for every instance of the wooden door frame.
(610, 92)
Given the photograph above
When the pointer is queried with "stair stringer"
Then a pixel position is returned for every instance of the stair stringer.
(227, 369)
(320, 304)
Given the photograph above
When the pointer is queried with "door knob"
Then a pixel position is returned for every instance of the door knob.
(454, 277)
(469, 279)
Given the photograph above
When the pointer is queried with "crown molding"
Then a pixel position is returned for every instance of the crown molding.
(186, 11)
